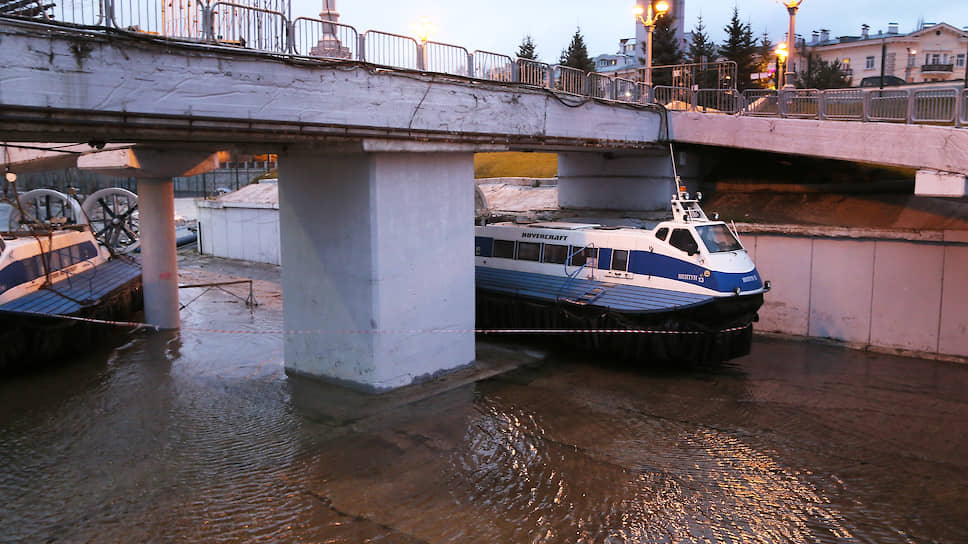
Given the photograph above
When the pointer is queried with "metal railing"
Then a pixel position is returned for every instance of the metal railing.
(761, 102)
(800, 104)
(444, 58)
(601, 86)
(265, 27)
(318, 38)
(726, 101)
(532, 72)
(886, 106)
(568, 80)
(492, 66)
(843, 104)
(673, 98)
(390, 50)
(934, 106)
(251, 27)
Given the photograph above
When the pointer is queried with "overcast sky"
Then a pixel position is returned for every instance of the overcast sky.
(499, 25)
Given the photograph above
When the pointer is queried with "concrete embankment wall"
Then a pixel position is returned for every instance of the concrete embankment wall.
(882, 293)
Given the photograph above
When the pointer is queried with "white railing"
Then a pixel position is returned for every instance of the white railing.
(259, 28)
(318, 38)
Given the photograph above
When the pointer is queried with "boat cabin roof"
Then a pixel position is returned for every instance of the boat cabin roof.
(563, 225)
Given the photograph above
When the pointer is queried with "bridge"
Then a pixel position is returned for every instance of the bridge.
(376, 159)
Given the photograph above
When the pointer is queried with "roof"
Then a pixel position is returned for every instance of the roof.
(254, 195)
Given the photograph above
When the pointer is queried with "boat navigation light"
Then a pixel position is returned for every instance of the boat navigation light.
(737, 291)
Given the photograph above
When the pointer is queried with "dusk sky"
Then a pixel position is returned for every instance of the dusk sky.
(499, 25)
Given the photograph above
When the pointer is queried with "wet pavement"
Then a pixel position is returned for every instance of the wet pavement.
(194, 437)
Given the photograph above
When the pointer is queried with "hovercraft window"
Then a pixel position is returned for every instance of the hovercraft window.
(580, 256)
(556, 254)
(620, 259)
(718, 238)
(529, 251)
(504, 249)
(682, 239)
(662, 233)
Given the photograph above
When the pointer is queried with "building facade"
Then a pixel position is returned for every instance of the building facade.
(934, 52)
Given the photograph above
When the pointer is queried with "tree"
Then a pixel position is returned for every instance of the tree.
(576, 56)
(821, 74)
(739, 47)
(701, 49)
(764, 62)
(527, 49)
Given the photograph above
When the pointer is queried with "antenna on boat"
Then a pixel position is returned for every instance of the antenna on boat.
(679, 189)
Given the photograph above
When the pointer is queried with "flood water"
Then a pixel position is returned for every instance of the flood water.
(193, 437)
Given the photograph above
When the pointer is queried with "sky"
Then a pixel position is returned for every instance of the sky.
(499, 25)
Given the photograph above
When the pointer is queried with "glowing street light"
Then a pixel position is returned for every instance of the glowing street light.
(792, 7)
(781, 57)
(423, 29)
(649, 22)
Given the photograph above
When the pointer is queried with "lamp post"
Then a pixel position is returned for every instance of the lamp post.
(781, 55)
(423, 28)
(649, 21)
(792, 7)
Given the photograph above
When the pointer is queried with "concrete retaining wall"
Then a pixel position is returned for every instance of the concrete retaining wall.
(883, 293)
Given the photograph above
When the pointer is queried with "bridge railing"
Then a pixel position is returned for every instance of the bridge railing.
(251, 27)
(673, 98)
(532, 72)
(389, 49)
(843, 104)
(934, 106)
(444, 58)
(724, 101)
(887, 106)
(242, 23)
(492, 66)
(319, 38)
(761, 103)
(568, 80)
(601, 86)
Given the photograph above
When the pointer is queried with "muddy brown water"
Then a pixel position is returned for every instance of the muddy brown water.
(194, 437)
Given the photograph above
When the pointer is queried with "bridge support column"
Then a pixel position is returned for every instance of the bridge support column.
(159, 272)
(376, 256)
(588, 180)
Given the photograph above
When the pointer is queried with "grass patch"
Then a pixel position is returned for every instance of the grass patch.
(514, 164)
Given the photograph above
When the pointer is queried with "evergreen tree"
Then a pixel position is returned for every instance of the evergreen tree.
(701, 49)
(739, 47)
(527, 49)
(764, 62)
(576, 56)
(821, 74)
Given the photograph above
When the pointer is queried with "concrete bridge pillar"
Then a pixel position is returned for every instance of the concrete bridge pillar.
(615, 181)
(159, 259)
(376, 256)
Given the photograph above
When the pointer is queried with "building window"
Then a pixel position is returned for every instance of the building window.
(960, 60)
(869, 63)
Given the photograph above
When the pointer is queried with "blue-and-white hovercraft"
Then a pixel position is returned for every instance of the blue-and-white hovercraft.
(685, 290)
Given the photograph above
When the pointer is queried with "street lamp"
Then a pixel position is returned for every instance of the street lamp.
(423, 29)
(649, 21)
(781, 55)
(792, 7)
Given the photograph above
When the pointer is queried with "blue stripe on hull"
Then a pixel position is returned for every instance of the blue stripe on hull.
(625, 298)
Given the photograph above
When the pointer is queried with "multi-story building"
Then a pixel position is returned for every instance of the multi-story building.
(934, 52)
